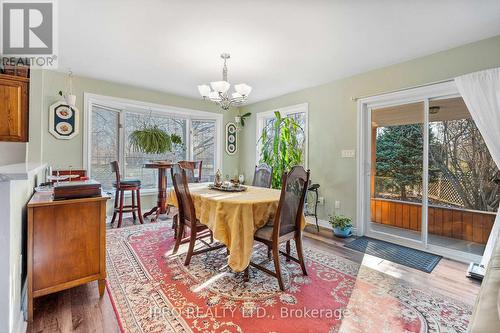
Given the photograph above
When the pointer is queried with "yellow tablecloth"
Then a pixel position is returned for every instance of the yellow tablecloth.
(233, 217)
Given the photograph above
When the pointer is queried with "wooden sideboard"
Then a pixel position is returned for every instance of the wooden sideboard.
(66, 244)
(14, 108)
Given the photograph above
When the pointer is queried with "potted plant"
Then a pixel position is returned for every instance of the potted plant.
(70, 99)
(240, 119)
(151, 139)
(282, 146)
(342, 225)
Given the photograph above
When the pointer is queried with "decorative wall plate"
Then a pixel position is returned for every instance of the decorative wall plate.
(231, 139)
(64, 121)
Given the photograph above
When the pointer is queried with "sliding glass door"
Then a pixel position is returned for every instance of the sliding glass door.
(397, 162)
(463, 195)
(429, 181)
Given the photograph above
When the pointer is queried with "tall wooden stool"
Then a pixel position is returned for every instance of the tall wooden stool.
(122, 185)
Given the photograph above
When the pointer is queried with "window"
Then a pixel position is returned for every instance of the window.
(111, 121)
(105, 144)
(204, 147)
(266, 119)
(134, 160)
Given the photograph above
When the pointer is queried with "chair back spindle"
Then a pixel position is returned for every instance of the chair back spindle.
(115, 168)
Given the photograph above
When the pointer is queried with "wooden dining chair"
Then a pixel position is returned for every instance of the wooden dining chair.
(287, 223)
(122, 185)
(186, 218)
(193, 170)
(263, 176)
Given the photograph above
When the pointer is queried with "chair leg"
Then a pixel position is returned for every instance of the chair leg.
(115, 206)
(191, 246)
(120, 213)
(211, 237)
(277, 266)
(288, 250)
(300, 253)
(178, 238)
(134, 216)
(175, 224)
(139, 210)
(246, 274)
(269, 253)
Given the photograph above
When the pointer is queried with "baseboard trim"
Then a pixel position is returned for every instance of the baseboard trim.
(324, 224)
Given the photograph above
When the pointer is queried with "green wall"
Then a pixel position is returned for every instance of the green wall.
(333, 115)
(45, 86)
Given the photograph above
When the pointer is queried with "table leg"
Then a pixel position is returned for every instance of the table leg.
(162, 197)
(162, 191)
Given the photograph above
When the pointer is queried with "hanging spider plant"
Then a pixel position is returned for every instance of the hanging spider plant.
(151, 139)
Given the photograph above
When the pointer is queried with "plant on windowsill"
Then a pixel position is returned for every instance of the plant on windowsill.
(342, 225)
(282, 146)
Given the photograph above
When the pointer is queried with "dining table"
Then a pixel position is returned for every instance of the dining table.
(161, 203)
(233, 217)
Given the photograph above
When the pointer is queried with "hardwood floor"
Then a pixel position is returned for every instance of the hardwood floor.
(448, 278)
(81, 310)
(77, 309)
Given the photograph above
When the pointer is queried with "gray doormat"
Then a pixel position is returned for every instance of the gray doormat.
(403, 255)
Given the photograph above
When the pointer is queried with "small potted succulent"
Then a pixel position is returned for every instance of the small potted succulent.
(342, 225)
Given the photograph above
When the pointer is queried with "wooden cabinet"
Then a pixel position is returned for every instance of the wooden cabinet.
(66, 244)
(14, 108)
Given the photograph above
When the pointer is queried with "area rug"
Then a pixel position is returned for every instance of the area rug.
(152, 291)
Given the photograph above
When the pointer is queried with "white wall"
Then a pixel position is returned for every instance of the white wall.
(13, 198)
(12, 152)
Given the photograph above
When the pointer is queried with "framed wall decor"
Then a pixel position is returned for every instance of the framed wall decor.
(64, 120)
(231, 139)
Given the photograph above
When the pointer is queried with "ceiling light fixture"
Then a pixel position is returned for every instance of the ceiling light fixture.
(219, 91)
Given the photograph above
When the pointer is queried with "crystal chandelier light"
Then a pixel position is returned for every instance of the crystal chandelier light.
(219, 91)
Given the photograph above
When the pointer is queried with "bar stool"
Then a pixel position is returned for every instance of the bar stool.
(122, 185)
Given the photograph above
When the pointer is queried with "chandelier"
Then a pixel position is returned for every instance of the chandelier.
(219, 91)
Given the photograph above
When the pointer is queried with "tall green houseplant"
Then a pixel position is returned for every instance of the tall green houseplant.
(282, 146)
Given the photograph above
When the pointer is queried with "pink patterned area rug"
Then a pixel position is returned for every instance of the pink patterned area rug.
(152, 291)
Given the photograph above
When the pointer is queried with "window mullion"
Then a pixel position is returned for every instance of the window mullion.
(121, 142)
(189, 139)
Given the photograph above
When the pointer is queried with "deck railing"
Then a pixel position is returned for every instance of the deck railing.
(464, 224)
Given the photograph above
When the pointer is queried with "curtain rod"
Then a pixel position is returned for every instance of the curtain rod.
(355, 99)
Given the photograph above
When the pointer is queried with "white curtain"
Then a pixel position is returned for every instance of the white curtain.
(481, 94)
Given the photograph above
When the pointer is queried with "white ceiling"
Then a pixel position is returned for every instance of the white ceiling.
(276, 46)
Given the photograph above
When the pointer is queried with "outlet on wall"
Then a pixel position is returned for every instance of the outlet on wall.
(337, 204)
(321, 200)
(350, 153)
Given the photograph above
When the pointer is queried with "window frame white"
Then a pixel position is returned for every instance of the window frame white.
(285, 111)
(123, 105)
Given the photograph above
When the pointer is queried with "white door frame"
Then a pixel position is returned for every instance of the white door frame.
(365, 105)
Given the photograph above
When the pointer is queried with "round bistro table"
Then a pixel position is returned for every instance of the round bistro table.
(161, 204)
